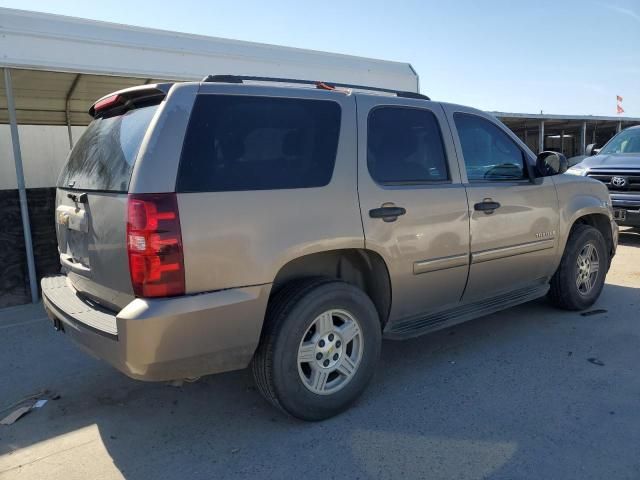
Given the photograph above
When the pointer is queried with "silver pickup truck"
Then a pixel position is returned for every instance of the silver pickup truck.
(617, 165)
(208, 226)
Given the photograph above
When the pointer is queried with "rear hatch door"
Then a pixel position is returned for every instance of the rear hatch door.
(91, 203)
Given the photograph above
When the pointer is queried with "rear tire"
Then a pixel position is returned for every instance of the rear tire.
(578, 282)
(319, 348)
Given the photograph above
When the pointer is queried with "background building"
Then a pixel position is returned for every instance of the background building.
(569, 134)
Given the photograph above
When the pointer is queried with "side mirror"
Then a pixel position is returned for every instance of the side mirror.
(551, 163)
(591, 149)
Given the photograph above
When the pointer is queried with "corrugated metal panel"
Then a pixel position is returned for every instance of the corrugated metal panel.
(563, 118)
(40, 96)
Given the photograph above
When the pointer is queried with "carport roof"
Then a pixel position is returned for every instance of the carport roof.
(522, 120)
(564, 118)
(43, 97)
(54, 58)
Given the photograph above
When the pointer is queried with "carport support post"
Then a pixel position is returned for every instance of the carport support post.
(583, 138)
(562, 142)
(22, 192)
(541, 137)
(69, 132)
(619, 127)
(67, 108)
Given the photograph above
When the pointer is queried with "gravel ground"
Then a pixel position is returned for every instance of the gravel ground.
(530, 392)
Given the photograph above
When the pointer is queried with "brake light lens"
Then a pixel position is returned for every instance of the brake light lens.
(106, 103)
(154, 245)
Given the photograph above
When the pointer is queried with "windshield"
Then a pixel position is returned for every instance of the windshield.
(627, 141)
(104, 156)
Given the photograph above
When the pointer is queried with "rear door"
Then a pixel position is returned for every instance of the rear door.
(267, 175)
(91, 203)
(514, 220)
(413, 205)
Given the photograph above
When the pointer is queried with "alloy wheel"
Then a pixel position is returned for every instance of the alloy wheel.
(588, 266)
(330, 352)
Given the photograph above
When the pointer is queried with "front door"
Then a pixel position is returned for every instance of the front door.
(513, 219)
(413, 205)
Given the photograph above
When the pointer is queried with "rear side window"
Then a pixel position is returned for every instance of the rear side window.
(258, 143)
(104, 156)
(404, 146)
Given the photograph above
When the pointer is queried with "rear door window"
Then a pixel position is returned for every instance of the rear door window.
(104, 156)
(237, 142)
(404, 147)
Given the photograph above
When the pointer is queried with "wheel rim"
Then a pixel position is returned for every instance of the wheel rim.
(588, 266)
(330, 352)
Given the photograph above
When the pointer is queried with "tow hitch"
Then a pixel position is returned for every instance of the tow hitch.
(57, 324)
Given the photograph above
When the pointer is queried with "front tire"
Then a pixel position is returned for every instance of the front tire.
(578, 282)
(319, 348)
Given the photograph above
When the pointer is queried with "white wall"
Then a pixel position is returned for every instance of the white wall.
(44, 151)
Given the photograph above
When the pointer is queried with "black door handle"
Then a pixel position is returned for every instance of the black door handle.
(486, 206)
(387, 214)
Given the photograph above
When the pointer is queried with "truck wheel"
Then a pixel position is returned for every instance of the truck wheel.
(577, 283)
(319, 348)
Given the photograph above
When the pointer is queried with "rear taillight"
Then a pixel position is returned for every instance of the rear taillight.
(154, 245)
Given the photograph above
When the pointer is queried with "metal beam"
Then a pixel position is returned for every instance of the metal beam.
(619, 127)
(67, 104)
(562, 142)
(22, 192)
(552, 117)
(541, 137)
(583, 138)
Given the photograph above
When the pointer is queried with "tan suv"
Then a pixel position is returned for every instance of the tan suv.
(204, 227)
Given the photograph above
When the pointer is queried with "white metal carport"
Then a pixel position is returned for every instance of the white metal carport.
(55, 67)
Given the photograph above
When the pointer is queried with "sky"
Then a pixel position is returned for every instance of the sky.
(560, 57)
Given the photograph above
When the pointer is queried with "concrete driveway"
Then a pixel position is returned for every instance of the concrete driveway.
(531, 392)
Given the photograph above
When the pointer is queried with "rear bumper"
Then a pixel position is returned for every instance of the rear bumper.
(164, 339)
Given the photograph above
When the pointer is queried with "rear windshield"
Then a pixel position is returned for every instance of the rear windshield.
(104, 156)
(258, 143)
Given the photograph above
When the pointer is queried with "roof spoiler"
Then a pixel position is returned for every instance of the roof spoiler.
(130, 97)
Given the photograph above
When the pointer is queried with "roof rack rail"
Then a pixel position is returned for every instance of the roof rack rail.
(318, 84)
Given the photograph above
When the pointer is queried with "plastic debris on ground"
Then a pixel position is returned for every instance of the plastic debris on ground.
(19, 409)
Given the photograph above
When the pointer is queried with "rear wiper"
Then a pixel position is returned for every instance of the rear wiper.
(78, 198)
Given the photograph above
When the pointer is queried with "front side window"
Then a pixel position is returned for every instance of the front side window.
(237, 142)
(489, 153)
(404, 146)
(627, 141)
